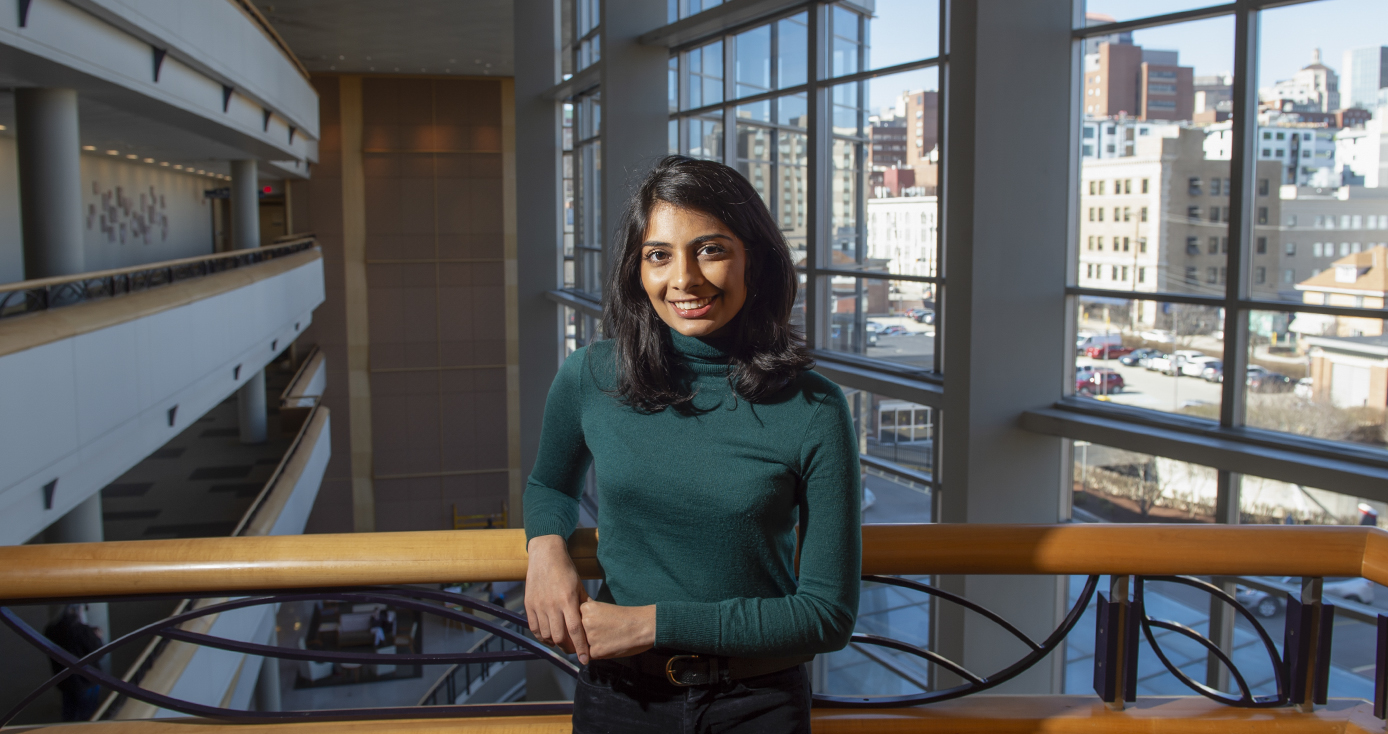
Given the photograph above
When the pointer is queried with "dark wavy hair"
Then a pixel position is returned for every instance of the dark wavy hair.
(766, 351)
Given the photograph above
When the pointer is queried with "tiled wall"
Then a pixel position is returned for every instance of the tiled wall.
(432, 159)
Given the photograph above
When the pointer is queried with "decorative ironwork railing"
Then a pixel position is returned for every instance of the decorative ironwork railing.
(388, 568)
(32, 296)
(460, 677)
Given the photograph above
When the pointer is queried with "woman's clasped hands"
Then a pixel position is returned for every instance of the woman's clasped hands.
(561, 614)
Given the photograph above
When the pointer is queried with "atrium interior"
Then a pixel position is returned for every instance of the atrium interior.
(284, 285)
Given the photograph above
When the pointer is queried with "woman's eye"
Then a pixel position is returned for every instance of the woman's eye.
(712, 250)
(655, 255)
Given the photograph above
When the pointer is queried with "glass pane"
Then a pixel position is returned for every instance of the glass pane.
(752, 51)
(1162, 356)
(792, 36)
(890, 320)
(901, 31)
(1154, 180)
(705, 75)
(1358, 601)
(1098, 12)
(846, 40)
(673, 84)
(902, 433)
(902, 167)
(706, 138)
(1319, 376)
(774, 160)
(1321, 211)
(1117, 485)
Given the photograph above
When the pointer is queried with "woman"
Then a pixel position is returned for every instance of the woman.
(715, 447)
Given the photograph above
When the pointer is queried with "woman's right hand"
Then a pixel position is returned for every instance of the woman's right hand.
(553, 594)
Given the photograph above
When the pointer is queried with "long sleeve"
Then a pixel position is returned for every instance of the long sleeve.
(555, 484)
(819, 616)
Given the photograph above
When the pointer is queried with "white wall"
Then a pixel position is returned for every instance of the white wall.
(96, 404)
(156, 197)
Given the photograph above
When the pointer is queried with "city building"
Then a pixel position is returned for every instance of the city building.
(1360, 280)
(1349, 371)
(1361, 153)
(1214, 98)
(1128, 80)
(1315, 88)
(1319, 226)
(1157, 221)
(887, 147)
(1306, 152)
(903, 233)
(1112, 138)
(1363, 73)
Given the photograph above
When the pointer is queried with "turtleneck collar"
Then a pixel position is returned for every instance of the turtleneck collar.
(697, 352)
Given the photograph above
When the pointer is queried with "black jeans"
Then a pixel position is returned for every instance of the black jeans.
(613, 699)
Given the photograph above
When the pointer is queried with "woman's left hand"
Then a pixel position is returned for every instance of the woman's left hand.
(617, 632)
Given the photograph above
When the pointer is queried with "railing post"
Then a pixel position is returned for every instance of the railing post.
(1115, 645)
(1222, 635)
(1306, 645)
(1381, 670)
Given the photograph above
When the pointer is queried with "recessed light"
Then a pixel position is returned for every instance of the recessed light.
(149, 160)
(132, 157)
(164, 163)
(113, 152)
(201, 171)
(368, 58)
(89, 147)
(452, 61)
(341, 57)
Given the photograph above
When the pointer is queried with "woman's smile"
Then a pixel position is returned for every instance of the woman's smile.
(693, 308)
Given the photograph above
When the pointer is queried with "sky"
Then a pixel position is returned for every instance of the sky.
(904, 30)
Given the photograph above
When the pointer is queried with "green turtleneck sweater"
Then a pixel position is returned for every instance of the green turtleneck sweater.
(699, 510)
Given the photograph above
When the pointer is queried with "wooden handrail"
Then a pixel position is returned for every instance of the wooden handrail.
(200, 565)
(60, 279)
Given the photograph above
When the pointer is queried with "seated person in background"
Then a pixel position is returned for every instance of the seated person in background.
(70, 631)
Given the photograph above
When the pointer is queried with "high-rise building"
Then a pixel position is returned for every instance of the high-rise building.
(1123, 80)
(922, 125)
(1364, 72)
(887, 146)
(1091, 44)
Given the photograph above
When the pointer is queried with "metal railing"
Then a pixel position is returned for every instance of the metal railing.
(364, 568)
(33, 296)
(448, 685)
(149, 656)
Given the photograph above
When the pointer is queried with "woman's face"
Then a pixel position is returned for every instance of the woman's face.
(694, 270)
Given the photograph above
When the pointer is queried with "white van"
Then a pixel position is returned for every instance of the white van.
(1098, 340)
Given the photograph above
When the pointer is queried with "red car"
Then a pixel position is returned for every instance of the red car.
(1109, 352)
(1097, 381)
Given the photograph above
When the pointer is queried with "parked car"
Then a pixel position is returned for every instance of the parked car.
(1107, 351)
(1145, 361)
(1267, 604)
(1303, 388)
(1259, 602)
(1213, 372)
(1358, 590)
(1084, 343)
(893, 330)
(1157, 335)
(1195, 366)
(1163, 363)
(1098, 381)
(1261, 379)
(1135, 357)
(922, 315)
(874, 326)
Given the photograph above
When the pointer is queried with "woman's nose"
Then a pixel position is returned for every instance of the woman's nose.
(687, 272)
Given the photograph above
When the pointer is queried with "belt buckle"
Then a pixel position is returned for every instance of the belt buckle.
(670, 669)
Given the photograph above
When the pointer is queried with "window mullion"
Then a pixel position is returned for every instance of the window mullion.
(1243, 165)
(817, 159)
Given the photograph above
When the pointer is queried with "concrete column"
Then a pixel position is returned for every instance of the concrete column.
(245, 205)
(1003, 294)
(250, 404)
(50, 181)
(83, 524)
(245, 235)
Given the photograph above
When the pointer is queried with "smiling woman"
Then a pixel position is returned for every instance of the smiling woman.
(715, 447)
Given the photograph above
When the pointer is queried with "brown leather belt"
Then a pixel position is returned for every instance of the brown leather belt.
(701, 670)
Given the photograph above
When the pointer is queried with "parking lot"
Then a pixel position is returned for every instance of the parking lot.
(1154, 390)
